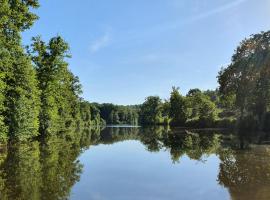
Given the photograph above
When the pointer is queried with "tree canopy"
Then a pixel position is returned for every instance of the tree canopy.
(247, 79)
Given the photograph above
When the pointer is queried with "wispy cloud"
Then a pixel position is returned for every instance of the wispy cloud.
(132, 35)
(217, 10)
(100, 43)
(138, 36)
(200, 16)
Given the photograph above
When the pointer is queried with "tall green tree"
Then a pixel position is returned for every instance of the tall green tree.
(247, 77)
(60, 89)
(201, 107)
(151, 111)
(19, 102)
(85, 114)
(178, 108)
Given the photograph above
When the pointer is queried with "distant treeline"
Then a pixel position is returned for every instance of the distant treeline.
(197, 108)
(117, 114)
(39, 95)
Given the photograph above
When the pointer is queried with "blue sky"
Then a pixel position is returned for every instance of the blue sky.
(125, 50)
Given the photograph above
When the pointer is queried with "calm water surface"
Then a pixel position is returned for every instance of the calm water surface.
(120, 163)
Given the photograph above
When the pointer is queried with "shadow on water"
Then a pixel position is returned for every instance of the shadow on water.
(49, 168)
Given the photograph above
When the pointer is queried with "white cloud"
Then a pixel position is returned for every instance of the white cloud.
(100, 43)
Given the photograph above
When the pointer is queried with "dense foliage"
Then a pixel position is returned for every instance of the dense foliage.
(39, 95)
(38, 92)
(197, 108)
(117, 114)
(19, 100)
(246, 81)
(243, 95)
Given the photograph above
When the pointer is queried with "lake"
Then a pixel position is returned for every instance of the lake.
(134, 163)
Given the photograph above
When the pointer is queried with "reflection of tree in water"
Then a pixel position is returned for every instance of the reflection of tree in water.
(244, 167)
(45, 169)
(149, 136)
(198, 145)
(21, 172)
(194, 145)
(115, 134)
(89, 137)
(159, 137)
(60, 169)
(152, 137)
(48, 168)
(246, 173)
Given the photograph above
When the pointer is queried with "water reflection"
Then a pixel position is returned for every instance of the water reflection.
(49, 168)
(246, 173)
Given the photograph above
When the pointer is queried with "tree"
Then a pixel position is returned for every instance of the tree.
(85, 114)
(207, 112)
(115, 117)
(178, 109)
(118, 114)
(22, 100)
(60, 89)
(19, 102)
(37, 90)
(201, 108)
(96, 120)
(151, 111)
(247, 77)
(166, 110)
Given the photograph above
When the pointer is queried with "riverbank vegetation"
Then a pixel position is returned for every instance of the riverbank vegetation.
(41, 96)
(196, 109)
(118, 114)
(242, 99)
